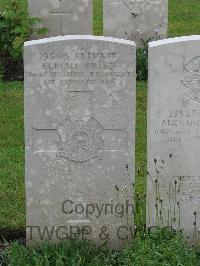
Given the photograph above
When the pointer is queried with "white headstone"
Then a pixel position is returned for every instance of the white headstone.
(79, 128)
(174, 135)
(63, 17)
(137, 20)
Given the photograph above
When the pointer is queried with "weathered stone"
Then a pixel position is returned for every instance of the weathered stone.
(174, 135)
(79, 128)
(137, 20)
(63, 17)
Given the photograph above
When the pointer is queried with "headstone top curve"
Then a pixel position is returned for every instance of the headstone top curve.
(174, 40)
(78, 37)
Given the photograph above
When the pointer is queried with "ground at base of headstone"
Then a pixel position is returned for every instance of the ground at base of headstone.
(7, 236)
(156, 247)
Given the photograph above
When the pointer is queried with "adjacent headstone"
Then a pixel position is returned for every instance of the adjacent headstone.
(63, 17)
(137, 20)
(174, 135)
(79, 129)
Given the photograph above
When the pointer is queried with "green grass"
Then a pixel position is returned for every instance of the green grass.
(156, 248)
(12, 212)
(98, 13)
(184, 17)
(141, 151)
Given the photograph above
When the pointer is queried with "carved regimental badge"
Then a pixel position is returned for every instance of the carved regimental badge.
(80, 141)
(192, 79)
(136, 7)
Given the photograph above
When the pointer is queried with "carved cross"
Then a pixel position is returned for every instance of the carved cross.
(62, 11)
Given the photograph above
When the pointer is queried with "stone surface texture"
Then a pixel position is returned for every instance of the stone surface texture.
(63, 17)
(174, 135)
(80, 138)
(136, 20)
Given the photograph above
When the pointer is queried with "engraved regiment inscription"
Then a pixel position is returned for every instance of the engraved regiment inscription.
(79, 130)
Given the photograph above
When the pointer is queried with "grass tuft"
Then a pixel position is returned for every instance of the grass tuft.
(156, 248)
